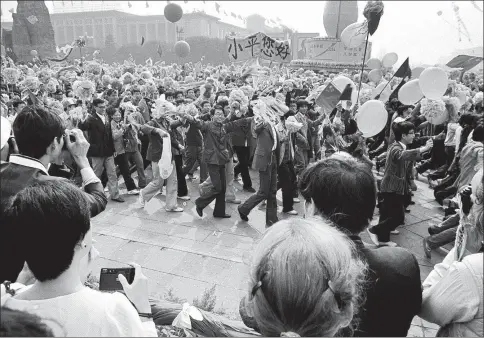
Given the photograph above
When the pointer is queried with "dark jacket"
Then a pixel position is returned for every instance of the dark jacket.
(393, 292)
(155, 148)
(16, 177)
(99, 135)
(240, 137)
(216, 142)
(263, 150)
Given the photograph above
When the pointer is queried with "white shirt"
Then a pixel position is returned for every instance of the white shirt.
(87, 174)
(89, 313)
(274, 133)
(102, 117)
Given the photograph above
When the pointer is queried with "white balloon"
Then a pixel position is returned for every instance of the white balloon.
(410, 92)
(434, 82)
(355, 34)
(371, 118)
(389, 59)
(375, 75)
(340, 82)
(374, 63)
(385, 95)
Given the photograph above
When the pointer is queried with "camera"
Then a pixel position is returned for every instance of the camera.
(109, 281)
(72, 138)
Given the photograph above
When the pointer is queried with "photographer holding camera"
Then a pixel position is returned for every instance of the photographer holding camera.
(41, 139)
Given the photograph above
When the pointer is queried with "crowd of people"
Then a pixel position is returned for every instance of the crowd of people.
(69, 130)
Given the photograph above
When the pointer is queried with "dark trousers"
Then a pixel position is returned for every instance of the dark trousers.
(287, 182)
(442, 170)
(242, 168)
(217, 176)
(193, 159)
(145, 141)
(392, 213)
(267, 191)
(122, 161)
(182, 183)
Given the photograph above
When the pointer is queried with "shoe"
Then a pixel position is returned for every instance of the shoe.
(141, 201)
(433, 230)
(119, 199)
(373, 237)
(292, 212)
(427, 249)
(184, 198)
(133, 192)
(235, 201)
(407, 211)
(390, 244)
(176, 209)
(223, 216)
(249, 189)
(199, 211)
(395, 232)
(242, 216)
(296, 200)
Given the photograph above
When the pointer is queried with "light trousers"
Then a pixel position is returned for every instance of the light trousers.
(156, 185)
(98, 166)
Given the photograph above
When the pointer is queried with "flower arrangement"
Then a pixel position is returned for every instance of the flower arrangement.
(11, 75)
(434, 111)
(149, 88)
(51, 86)
(452, 104)
(93, 68)
(55, 107)
(45, 75)
(146, 75)
(31, 83)
(127, 78)
(478, 98)
(162, 107)
(84, 89)
(248, 91)
(292, 124)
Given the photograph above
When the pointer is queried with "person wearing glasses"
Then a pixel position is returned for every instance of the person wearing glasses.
(395, 181)
(101, 151)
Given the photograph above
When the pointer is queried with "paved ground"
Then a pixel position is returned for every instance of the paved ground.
(181, 253)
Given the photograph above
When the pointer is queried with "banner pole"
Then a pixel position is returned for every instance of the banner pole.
(362, 68)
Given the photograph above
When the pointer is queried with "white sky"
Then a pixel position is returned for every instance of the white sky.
(409, 28)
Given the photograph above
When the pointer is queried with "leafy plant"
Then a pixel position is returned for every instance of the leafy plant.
(208, 300)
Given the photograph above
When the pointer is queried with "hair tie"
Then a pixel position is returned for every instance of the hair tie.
(289, 334)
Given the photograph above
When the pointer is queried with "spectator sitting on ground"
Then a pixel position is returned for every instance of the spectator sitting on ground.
(343, 190)
(56, 218)
(304, 281)
(22, 324)
(41, 138)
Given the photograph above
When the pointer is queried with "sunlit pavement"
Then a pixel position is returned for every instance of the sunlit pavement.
(188, 254)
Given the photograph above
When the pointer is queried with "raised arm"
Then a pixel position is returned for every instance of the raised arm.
(243, 123)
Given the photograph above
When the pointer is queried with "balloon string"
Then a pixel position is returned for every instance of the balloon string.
(362, 68)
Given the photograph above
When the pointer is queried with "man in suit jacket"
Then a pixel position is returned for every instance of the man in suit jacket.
(394, 185)
(101, 150)
(342, 189)
(40, 138)
(266, 160)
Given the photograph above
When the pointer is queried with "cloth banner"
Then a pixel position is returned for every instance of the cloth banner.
(465, 62)
(258, 45)
(329, 97)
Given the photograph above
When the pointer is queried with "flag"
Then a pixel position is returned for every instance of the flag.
(159, 51)
(404, 70)
(142, 40)
(465, 62)
(217, 7)
(346, 94)
(235, 16)
(394, 94)
(329, 97)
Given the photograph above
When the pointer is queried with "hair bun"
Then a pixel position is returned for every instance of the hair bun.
(289, 334)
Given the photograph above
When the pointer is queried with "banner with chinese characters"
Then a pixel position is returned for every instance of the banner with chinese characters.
(329, 49)
(258, 45)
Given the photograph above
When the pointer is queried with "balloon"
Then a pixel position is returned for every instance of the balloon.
(355, 34)
(389, 59)
(371, 118)
(416, 72)
(433, 83)
(33, 53)
(173, 12)
(385, 95)
(182, 49)
(410, 92)
(375, 75)
(340, 82)
(374, 63)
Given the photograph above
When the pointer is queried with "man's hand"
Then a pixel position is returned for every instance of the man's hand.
(137, 292)
(429, 145)
(78, 147)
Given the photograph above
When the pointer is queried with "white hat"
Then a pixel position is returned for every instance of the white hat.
(6, 130)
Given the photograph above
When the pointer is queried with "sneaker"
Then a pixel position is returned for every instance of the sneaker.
(395, 232)
(296, 200)
(141, 202)
(390, 244)
(199, 211)
(119, 199)
(292, 212)
(242, 216)
(176, 209)
(184, 198)
(373, 237)
(235, 201)
(133, 192)
(427, 249)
